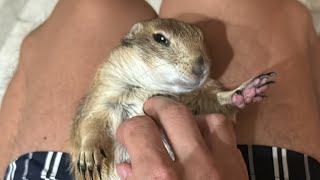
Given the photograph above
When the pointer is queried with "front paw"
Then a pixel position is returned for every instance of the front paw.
(252, 90)
(90, 157)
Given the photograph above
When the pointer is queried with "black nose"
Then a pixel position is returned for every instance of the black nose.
(199, 66)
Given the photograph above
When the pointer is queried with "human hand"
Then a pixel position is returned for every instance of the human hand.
(205, 146)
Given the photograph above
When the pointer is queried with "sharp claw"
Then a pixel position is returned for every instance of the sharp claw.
(267, 83)
(91, 168)
(90, 173)
(99, 170)
(270, 82)
(83, 170)
(78, 166)
(270, 74)
(239, 92)
(261, 95)
(103, 153)
(84, 175)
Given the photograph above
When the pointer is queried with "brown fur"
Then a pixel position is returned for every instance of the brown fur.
(132, 74)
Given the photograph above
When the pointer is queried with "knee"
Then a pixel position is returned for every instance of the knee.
(119, 12)
(107, 16)
(82, 21)
(294, 27)
(299, 16)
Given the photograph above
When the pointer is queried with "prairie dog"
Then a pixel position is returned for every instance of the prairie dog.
(160, 56)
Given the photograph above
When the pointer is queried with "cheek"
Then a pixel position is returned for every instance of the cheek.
(165, 71)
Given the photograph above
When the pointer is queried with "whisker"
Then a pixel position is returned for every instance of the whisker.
(151, 69)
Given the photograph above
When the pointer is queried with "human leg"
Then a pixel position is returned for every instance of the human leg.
(248, 37)
(57, 63)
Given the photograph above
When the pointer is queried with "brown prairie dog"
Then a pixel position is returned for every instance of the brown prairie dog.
(160, 56)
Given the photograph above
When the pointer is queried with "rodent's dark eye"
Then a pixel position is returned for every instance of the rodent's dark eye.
(160, 38)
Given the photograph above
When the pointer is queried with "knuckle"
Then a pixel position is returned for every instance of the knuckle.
(209, 170)
(130, 126)
(218, 119)
(166, 106)
(177, 108)
(137, 122)
(164, 173)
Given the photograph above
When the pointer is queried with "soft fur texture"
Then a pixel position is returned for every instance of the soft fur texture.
(157, 57)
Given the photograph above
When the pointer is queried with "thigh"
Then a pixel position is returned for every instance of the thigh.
(58, 61)
(248, 37)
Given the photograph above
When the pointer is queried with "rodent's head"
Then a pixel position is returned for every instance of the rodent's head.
(171, 53)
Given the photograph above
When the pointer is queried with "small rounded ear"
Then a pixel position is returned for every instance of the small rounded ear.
(133, 32)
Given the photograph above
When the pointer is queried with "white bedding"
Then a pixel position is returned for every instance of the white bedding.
(19, 17)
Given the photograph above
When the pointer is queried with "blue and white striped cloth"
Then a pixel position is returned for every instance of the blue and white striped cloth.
(272, 163)
(263, 163)
(40, 165)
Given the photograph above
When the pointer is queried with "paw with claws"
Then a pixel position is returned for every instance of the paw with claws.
(249, 92)
(252, 90)
(90, 158)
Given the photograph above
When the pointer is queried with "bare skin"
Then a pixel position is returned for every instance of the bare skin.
(211, 140)
(261, 37)
(59, 59)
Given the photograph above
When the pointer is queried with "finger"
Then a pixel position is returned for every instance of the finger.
(142, 139)
(217, 131)
(219, 135)
(178, 123)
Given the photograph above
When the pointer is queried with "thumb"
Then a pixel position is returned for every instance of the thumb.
(124, 170)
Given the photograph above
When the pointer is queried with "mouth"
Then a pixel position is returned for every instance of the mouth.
(191, 82)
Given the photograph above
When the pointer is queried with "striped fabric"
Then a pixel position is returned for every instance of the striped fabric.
(272, 163)
(40, 165)
(263, 163)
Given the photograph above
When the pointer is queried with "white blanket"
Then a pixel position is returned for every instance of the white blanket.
(19, 17)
